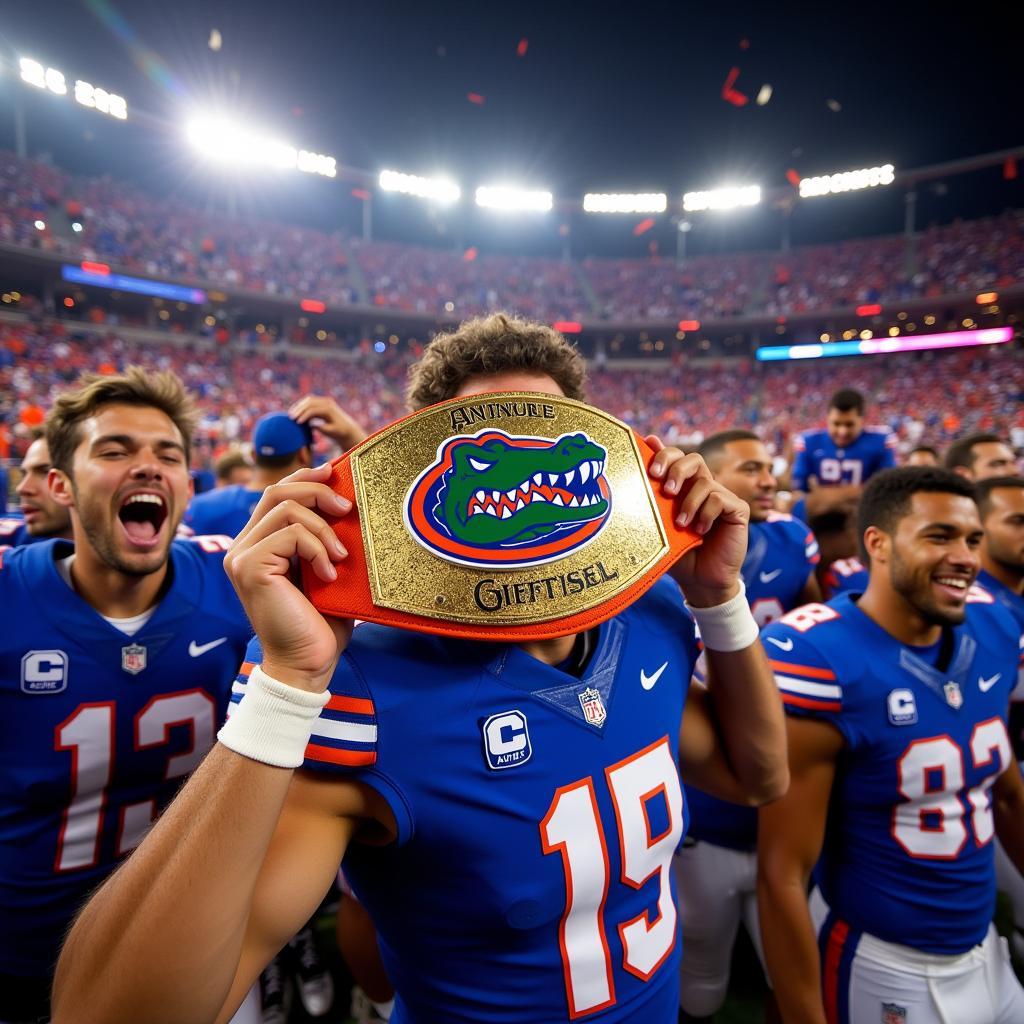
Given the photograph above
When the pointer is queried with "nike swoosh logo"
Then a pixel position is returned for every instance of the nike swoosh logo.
(195, 649)
(783, 645)
(646, 681)
(767, 577)
(986, 684)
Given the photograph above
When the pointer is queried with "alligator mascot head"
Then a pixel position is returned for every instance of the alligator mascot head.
(500, 501)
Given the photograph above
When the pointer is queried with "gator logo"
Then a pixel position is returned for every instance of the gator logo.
(492, 500)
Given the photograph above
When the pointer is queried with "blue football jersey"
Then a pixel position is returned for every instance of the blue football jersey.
(816, 455)
(781, 554)
(908, 853)
(846, 574)
(537, 814)
(97, 729)
(225, 510)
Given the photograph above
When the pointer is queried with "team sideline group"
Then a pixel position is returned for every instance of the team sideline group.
(809, 729)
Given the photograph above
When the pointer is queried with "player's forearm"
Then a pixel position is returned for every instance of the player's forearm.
(751, 721)
(1008, 811)
(790, 949)
(161, 940)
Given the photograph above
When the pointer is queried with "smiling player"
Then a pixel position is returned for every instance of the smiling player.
(902, 775)
(117, 654)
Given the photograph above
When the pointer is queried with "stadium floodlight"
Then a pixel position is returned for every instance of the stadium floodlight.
(504, 197)
(885, 346)
(727, 198)
(847, 181)
(88, 95)
(625, 202)
(221, 141)
(441, 190)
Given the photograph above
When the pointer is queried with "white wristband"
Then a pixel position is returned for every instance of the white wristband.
(273, 721)
(727, 627)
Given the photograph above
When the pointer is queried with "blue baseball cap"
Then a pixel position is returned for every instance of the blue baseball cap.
(278, 434)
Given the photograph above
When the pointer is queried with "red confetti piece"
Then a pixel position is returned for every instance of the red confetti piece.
(567, 326)
(731, 95)
(645, 225)
(524, 45)
(1010, 168)
(689, 325)
(470, 254)
(361, 193)
(744, 44)
(869, 309)
(793, 178)
(312, 306)
(95, 268)
(475, 97)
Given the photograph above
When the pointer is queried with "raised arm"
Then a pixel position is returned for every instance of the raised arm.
(223, 879)
(790, 835)
(733, 740)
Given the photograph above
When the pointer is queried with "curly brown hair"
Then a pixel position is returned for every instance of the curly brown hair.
(136, 386)
(489, 345)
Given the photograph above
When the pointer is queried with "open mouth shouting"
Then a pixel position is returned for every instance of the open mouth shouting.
(142, 517)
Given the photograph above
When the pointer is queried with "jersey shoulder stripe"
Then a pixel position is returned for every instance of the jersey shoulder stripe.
(807, 686)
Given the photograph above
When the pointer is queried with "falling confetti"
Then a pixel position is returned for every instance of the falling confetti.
(442, 52)
(1010, 168)
(834, 105)
(645, 225)
(793, 177)
(764, 95)
(475, 97)
(524, 45)
(361, 194)
(744, 44)
(470, 254)
(731, 95)
(215, 41)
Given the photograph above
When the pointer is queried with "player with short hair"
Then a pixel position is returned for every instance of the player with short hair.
(117, 655)
(979, 456)
(923, 455)
(831, 466)
(902, 774)
(41, 516)
(233, 468)
(716, 869)
(535, 891)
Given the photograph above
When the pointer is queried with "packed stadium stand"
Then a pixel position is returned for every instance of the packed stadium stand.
(134, 231)
(925, 398)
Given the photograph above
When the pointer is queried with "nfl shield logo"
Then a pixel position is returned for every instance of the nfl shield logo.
(893, 1013)
(593, 706)
(133, 658)
(954, 698)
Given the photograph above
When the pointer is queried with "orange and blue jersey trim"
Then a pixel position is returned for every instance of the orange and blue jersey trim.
(807, 686)
(837, 944)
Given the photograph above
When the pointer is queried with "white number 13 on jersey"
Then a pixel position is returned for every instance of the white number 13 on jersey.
(573, 828)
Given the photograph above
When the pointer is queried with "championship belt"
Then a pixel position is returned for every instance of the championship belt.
(507, 516)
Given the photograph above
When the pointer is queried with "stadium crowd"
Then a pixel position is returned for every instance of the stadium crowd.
(126, 227)
(924, 398)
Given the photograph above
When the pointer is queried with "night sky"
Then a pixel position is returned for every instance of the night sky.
(609, 96)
